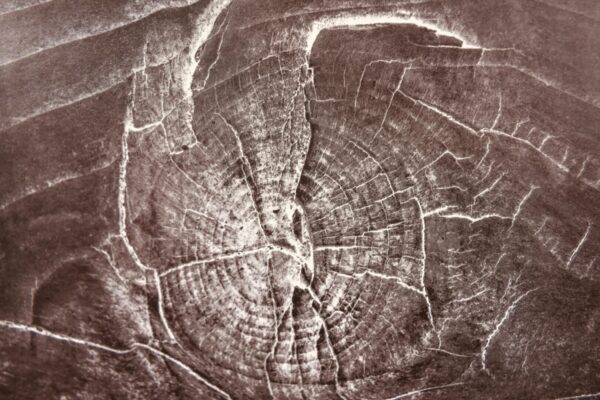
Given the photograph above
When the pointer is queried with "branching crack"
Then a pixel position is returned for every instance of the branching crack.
(246, 169)
(499, 324)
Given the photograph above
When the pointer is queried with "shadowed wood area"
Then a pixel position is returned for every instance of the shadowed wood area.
(355, 200)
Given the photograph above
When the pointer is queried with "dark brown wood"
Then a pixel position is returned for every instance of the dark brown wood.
(299, 200)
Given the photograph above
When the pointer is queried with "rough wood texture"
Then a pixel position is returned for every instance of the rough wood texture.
(299, 200)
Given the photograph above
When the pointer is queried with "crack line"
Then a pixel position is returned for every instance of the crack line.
(428, 389)
(496, 330)
(98, 346)
(579, 245)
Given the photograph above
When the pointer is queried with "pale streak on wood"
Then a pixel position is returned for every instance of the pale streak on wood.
(99, 346)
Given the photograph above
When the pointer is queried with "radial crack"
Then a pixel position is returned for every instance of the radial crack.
(424, 264)
(161, 308)
(246, 170)
(316, 302)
